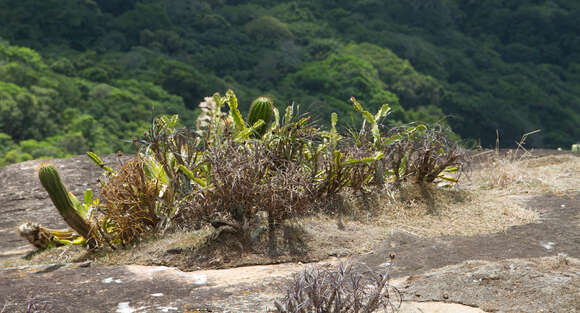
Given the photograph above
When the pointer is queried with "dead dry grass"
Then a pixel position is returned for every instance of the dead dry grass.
(492, 196)
(489, 199)
(557, 174)
(451, 212)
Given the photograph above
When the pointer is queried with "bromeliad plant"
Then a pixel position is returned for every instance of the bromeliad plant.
(413, 151)
(146, 194)
(130, 205)
(338, 167)
(424, 154)
(435, 157)
(373, 122)
(400, 144)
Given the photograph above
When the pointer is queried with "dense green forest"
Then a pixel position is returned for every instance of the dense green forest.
(90, 74)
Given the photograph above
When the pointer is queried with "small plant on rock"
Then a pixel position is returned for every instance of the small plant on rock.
(342, 290)
(434, 154)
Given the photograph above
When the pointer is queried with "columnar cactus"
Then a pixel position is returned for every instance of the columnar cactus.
(62, 200)
(261, 109)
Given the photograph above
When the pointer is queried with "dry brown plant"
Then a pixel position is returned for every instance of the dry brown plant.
(340, 290)
(130, 206)
(248, 179)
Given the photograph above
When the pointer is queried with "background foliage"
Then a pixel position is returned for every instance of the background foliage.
(89, 75)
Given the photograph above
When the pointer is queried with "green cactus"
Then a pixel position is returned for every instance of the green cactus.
(261, 109)
(63, 200)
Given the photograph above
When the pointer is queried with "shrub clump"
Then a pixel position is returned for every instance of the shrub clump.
(246, 180)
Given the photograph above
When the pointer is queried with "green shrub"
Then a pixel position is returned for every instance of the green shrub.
(95, 74)
(41, 149)
(63, 66)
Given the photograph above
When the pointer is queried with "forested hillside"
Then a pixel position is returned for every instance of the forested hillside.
(90, 74)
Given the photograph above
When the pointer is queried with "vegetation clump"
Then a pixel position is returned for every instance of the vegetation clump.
(248, 176)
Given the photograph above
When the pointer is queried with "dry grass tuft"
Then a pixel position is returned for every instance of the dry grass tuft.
(556, 174)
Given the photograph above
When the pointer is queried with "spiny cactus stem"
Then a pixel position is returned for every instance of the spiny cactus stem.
(60, 197)
(261, 109)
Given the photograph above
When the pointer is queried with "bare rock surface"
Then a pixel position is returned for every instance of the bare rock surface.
(516, 285)
(85, 288)
(437, 307)
(557, 232)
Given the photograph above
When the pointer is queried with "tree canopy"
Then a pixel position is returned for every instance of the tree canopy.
(91, 74)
